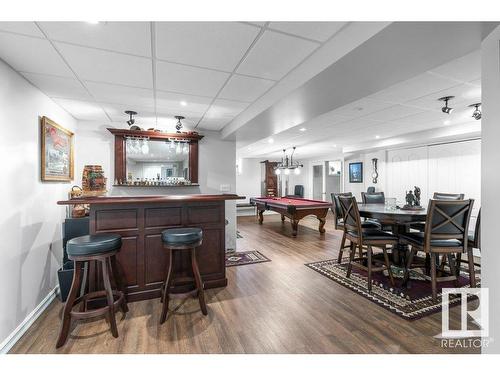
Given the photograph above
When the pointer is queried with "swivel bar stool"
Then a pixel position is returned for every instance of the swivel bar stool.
(101, 248)
(176, 241)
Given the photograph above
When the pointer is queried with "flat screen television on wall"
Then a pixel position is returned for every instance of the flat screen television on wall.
(356, 172)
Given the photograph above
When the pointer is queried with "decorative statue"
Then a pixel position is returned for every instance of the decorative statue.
(410, 199)
(417, 196)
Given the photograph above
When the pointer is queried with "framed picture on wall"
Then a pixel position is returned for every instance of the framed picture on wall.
(57, 162)
(356, 172)
(334, 168)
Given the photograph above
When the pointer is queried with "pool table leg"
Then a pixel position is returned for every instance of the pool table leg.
(322, 222)
(261, 216)
(295, 226)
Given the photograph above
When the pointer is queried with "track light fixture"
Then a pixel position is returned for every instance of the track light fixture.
(178, 126)
(446, 109)
(131, 121)
(477, 112)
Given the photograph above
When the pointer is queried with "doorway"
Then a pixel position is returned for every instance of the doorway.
(326, 179)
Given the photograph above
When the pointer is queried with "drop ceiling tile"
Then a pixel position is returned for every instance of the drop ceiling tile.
(188, 80)
(274, 55)
(361, 107)
(25, 28)
(217, 45)
(246, 89)
(214, 123)
(127, 37)
(171, 102)
(421, 85)
(319, 31)
(33, 55)
(108, 67)
(58, 87)
(466, 68)
(131, 96)
(225, 108)
(393, 113)
(82, 110)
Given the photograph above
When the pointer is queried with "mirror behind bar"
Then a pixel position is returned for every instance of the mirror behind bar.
(150, 158)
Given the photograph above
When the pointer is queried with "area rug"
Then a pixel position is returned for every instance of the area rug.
(413, 302)
(245, 257)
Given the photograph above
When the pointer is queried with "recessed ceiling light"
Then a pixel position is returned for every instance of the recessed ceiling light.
(377, 137)
(184, 103)
(270, 140)
(302, 129)
(447, 122)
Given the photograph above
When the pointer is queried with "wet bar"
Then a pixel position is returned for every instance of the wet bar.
(140, 221)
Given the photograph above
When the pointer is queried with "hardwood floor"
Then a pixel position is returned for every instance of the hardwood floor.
(280, 306)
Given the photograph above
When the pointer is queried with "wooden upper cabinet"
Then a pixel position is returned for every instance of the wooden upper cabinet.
(121, 136)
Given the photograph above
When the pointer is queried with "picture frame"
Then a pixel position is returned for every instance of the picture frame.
(57, 159)
(355, 172)
(334, 168)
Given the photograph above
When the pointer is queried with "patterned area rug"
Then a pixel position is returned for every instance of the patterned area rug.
(245, 257)
(413, 302)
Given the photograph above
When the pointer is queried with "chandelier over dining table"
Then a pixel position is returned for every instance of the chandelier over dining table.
(287, 164)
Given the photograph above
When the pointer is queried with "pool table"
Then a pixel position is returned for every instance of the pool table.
(294, 209)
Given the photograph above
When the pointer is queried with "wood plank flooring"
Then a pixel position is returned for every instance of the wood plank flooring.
(280, 306)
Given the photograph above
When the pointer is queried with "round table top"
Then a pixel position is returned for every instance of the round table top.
(386, 215)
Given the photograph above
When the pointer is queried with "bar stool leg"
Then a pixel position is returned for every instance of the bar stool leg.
(109, 296)
(166, 289)
(199, 283)
(73, 293)
(117, 276)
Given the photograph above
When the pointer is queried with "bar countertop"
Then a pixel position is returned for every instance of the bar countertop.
(151, 199)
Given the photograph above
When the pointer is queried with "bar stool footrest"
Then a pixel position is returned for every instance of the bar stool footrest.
(118, 298)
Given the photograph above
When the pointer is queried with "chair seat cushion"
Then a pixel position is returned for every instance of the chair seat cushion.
(371, 224)
(94, 244)
(181, 236)
(418, 239)
(375, 234)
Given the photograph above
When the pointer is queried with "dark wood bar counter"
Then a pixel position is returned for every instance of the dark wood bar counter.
(140, 221)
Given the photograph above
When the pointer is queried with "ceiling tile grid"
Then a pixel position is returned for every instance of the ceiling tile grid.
(212, 69)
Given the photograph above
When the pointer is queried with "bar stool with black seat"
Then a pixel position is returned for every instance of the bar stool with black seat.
(177, 241)
(101, 248)
(445, 234)
(369, 238)
(339, 221)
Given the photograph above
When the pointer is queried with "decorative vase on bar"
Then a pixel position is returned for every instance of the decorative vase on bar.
(93, 181)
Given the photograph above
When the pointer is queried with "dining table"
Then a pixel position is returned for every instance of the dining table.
(398, 219)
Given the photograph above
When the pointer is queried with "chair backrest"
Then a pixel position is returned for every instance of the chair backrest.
(370, 198)
(477, 232)
(299, 191)
(448, 196)
(371, 189)
(336, 208)
(448, 220)
(350, 213)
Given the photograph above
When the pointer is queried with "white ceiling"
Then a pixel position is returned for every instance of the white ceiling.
(408, 107)
(208, 72)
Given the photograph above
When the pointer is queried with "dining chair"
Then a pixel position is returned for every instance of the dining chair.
(445, 235)
(365, 237)
(339, 221)
(373, 198)
(438, 196)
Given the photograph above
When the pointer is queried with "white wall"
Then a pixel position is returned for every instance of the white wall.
(366, 159)
(217, 166)
(490, 181)
(30, 224)
(248, 178)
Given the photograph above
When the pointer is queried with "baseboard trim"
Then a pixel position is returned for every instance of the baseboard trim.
(21, 329)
